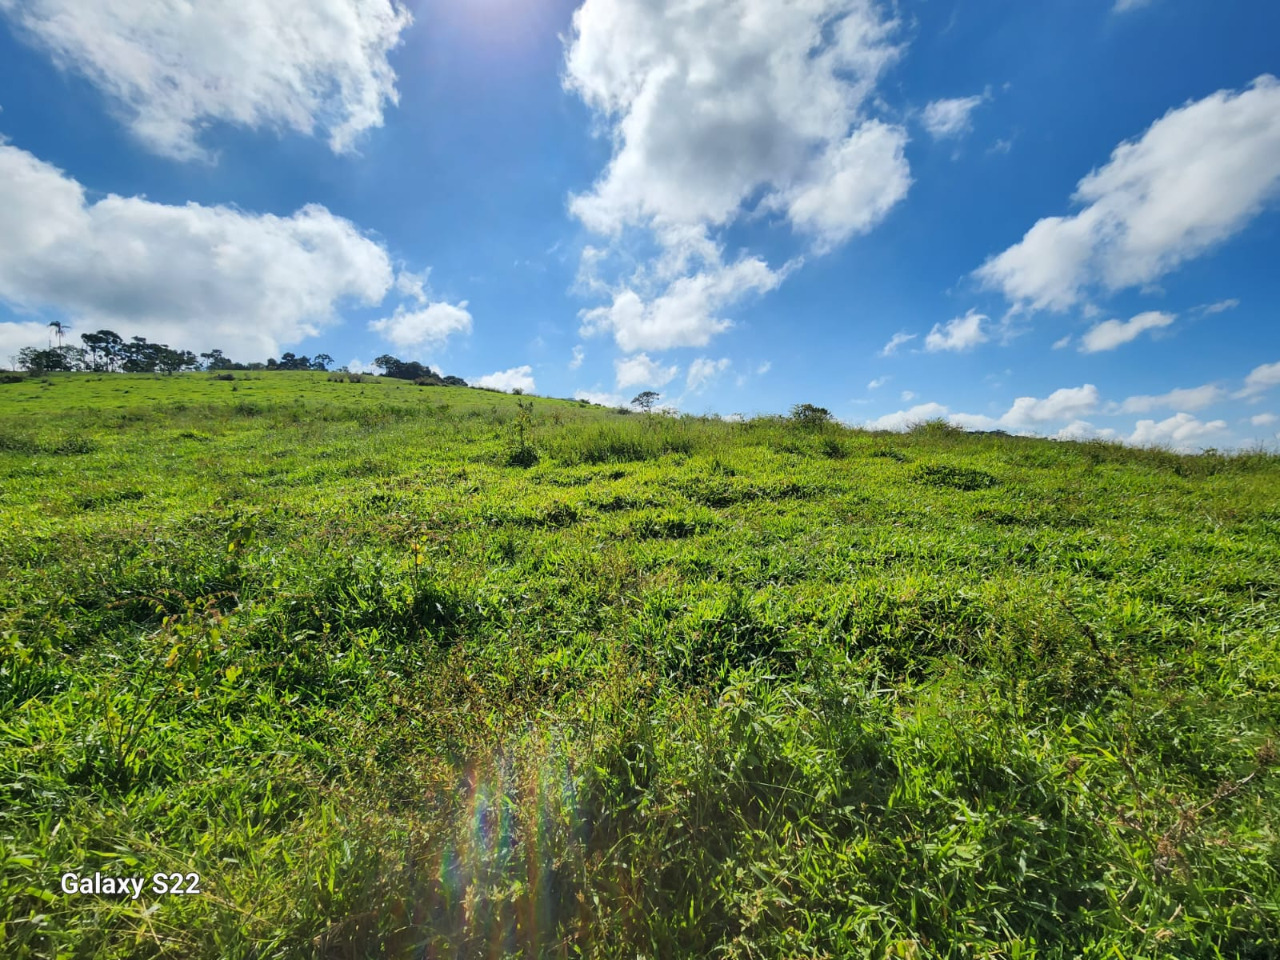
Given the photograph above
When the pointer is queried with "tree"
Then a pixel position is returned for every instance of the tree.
(216, 360)
(646, 400)
(321, 361)
(52, 360)
(59, 330)
(807, 415)
(106, 350)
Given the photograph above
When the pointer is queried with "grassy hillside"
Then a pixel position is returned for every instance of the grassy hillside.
(396, 682)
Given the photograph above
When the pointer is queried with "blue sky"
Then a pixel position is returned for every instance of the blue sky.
(1058, 218)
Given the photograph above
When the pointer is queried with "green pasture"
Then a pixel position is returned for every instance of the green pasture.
(424, 672)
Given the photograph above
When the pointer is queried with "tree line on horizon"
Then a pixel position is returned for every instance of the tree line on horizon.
(107, 352)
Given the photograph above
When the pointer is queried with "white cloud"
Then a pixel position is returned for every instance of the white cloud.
(710, 103)
(1061, 344)
(702, 371)
(764, 368)
(1196, 177)
(600, 397)
(716, 112)
(907, 396)
(1182, 431)
(517, 378)
(905, 419)
(962, 333)
(951, 118)
(1222, 306)
(171, 68)
(1263, 419)
(854, 187)
(579, 354)
(1084, 430)
(193, 276)
(1112, 333)
(878, 382)
(429, 326)
(686, 314)
(1069, 403)
(1260, 380)
(359, 366)
(897, 340)
(641, 371)
(1189, 398)
(25, 333)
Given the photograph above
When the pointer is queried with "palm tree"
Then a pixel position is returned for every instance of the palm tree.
(59, 330)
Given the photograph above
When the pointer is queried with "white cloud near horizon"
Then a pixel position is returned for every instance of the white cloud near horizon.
(1196, 177)
(958, 335)
(194, 276)
(173, 69)
(600, 397)
(640, 371)
(1182, 432)
(951, 118)
(517, 378)
(717, 112)
(1113, 333)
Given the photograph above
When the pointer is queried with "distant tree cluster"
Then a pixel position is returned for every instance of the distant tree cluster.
(417, 372)
(108, 352)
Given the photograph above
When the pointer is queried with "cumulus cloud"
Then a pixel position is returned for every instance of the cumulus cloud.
(905, 419)
(1113, 333)
(192, 275)
(1084, 430)
(430, 325)
(1196, 177)
(1026, 413)
(897, 340)
(1260, 380)
(703, 370)
(1182, 431)
(579, 354)
(717, 111)
(172, 69)
(1189, 398)
(1263, 419)
(951, 118)
(640, 371)
(687, 314)
(517, 378)
(962, 333)
(601, 397)
(1069, 403)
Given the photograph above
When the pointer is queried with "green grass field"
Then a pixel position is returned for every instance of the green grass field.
(415, 672)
